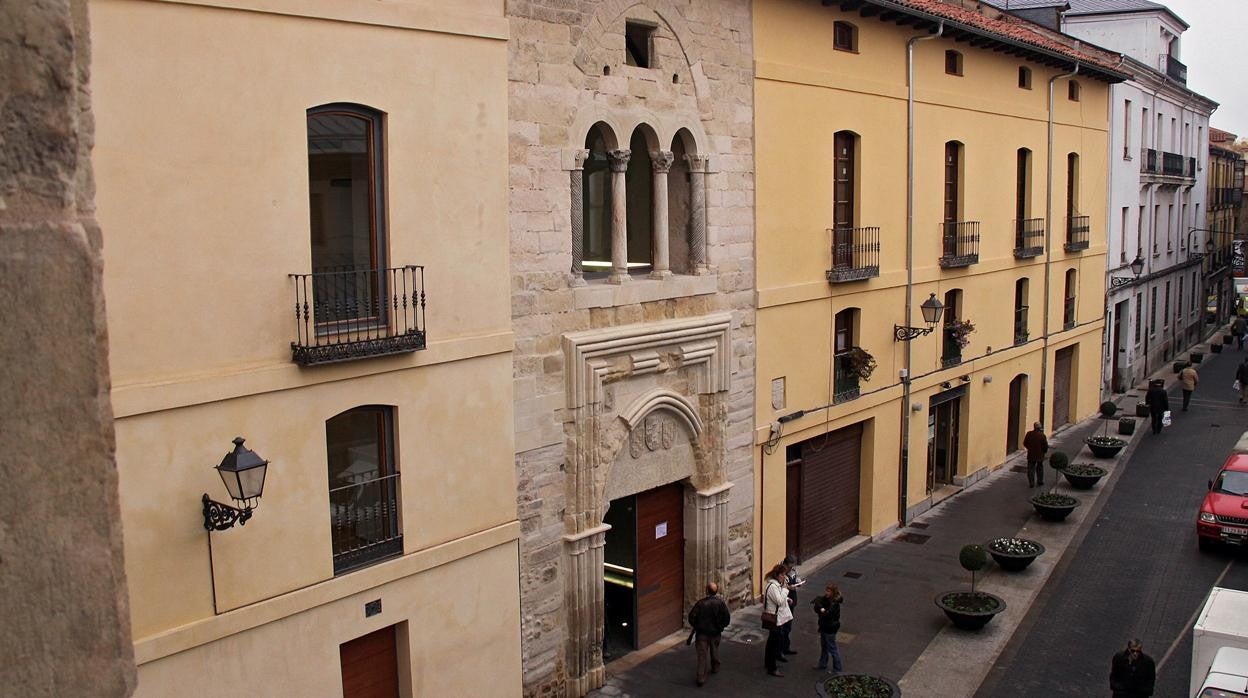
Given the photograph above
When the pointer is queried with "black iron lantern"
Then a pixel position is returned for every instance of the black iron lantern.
(932, 309)
(1137, 264)
(242, 471)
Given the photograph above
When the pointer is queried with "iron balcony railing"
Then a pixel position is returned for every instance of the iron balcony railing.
(345, 314)
(1020, 326)
(959, 243)
(951, 351)
(1189, 169)
(1149, 161)
(855, 254)
(364, 521)
(1028, 237)
(1172, 165)
(1175, 69)
(1068, 313)
(1077, 233)
(845, 380)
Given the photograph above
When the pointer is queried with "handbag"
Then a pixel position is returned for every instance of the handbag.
(1165, 418)
(768, 619)
(1236, 386)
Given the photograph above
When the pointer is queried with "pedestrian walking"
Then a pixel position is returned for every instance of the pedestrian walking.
(794, 581)
(1158, 403)
(828, 607)
(708, 617)
(1238, 329)
(776, 602)
(1189, 378)
(1241, 377)
(1132, 673)
(1037, 445)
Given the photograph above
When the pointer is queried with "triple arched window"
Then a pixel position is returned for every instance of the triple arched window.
(639, 209)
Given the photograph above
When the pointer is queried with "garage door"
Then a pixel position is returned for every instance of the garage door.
(370, 667)
(829, 490)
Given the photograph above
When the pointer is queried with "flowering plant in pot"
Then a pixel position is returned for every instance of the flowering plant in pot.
(856, 686)
(960, 331)
(1014, 554)
(1050, 505)
(1083, 476)
(970, 610)
(861, 362)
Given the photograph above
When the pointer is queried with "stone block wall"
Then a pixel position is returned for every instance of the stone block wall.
(567, 72)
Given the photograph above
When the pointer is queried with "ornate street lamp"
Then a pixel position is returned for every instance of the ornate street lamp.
(1137, 267)
(243, 473)
(932, 309)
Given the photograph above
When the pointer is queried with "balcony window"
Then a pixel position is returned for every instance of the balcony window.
(1069, 308)
(846, 377)
(951, 350)
(1021, 331)
(363, 487)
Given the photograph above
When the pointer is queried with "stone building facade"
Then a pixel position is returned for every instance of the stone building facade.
(631, 209)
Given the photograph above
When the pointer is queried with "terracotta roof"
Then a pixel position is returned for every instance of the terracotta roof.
(1217, 135)
(1011, 29)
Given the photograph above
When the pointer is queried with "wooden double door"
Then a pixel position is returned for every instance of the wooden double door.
(645, 573)
(822, 491)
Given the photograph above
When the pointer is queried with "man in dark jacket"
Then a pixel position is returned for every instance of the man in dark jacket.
(1158, 403)
(1132, 673)
(1037, 445)
(709, 617)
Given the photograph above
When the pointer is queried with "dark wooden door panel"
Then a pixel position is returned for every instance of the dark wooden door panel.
(1062, 365)
(660, 563)
(370, 667)
(829, 490)
(793, 509)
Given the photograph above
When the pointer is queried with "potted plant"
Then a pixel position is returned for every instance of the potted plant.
(1014, 554)
(970, 610)
(1215, 348)
(1050, 505)
(856, 686)
(1197, 357)
(1083, 476)
(1126, 425)
(1105, 446)
(860, 362)
(960, 331)
(1141, 409)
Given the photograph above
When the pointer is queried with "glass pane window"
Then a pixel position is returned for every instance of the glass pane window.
(596, 204)
(363, 487)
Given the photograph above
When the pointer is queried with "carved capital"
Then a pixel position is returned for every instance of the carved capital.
(579, 158)
(697, 162)
(661, 160)
(619, 159)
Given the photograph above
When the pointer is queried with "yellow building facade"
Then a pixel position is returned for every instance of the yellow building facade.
(1006, 233)
(307, 246)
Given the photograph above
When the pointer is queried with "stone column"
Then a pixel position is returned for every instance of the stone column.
(661, 161)
(583, 601)
(711, 535)
(619, 216)
(578, 217)
(697, 211)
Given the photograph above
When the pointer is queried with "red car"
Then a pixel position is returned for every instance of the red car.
(1224, 513)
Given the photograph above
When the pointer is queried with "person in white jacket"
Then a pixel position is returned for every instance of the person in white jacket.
(776, 601)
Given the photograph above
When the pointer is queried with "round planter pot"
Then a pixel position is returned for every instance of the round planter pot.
(1228, 338)
(1053, 512)
(1083, 482)
(969, 620)
(1014, 563)
(1126, 425)
(829, 686)
(1101, 451)
(1215, 348)
(1197, 357)
(1141, 409)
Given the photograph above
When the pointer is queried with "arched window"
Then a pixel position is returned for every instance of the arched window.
(951, 349)
(1069, 308)
(640, 187)
(846, 356)
(953, 62)
(596, 202)
(1077, 226)
(844, 37)
(1024, 77)
(1072, 91)
(363, 487)
(679, 205)
(1020, 311)
(844, 177)
(346, 199)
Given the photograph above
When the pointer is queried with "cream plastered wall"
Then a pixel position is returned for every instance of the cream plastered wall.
(201, 151)
(460, 610)
(805, 91)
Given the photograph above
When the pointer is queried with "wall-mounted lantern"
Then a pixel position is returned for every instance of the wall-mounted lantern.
(932, 309)
(243, 472)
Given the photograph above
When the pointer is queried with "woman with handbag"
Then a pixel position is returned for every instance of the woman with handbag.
(776, 613)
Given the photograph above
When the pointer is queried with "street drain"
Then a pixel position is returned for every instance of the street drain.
(915, 524)
(853, 575)
(916, 538)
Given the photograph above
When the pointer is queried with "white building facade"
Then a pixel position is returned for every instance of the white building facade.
(1157, 190)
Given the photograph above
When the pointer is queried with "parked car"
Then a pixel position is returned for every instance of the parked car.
(1224, 513)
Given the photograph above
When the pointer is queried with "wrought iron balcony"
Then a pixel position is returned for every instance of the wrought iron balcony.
(1068, 313)
(1149, 161)
(951, 351)
(845, 380)
(1175, 69)
(1020, 326)
(347, 314)
(364, 521)
(1189, 167)
(959, 244)
(1172, 165)
(855, 254)
(1077, 228)
(1028, 238)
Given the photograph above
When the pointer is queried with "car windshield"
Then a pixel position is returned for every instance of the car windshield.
(1221, 693)
(1232, 482)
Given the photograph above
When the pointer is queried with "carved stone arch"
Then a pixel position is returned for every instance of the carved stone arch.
(663, 399)
(610, 132)
(647, 130)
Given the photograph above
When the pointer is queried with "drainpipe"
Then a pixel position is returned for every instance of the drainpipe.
(1048, 251)
(904, 459)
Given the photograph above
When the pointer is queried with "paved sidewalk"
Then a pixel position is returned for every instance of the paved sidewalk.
(890, 625)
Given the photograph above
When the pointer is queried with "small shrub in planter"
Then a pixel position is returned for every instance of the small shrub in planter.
(1105, 446)
(856, 686)
(1141, 409)
(1197, 357)
(1052, 506)
(1126, 425)
(1014, 554)
(1083, 476)
(971, 610)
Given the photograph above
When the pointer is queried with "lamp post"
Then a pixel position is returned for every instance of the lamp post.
(243, 473)
(1137, 268)
(932, 309)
